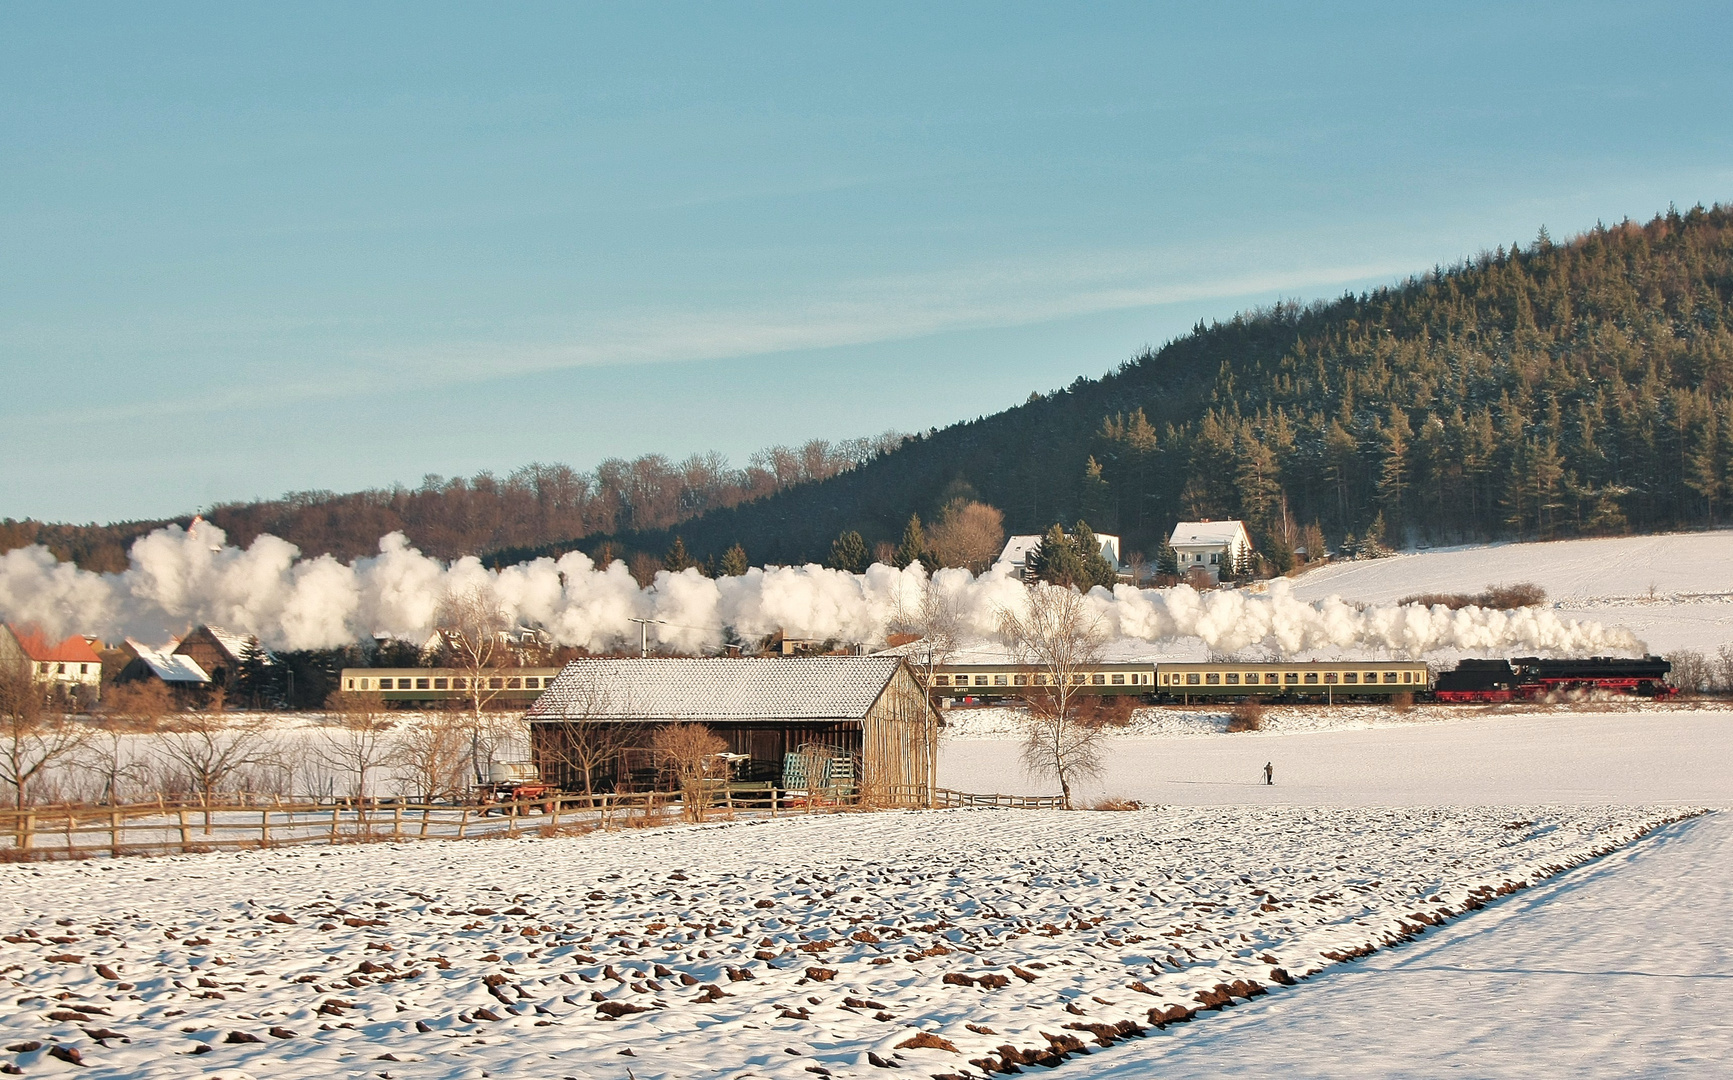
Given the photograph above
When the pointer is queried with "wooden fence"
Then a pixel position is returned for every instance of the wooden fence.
(157, 828)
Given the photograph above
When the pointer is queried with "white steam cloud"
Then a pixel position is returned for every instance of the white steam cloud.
(178, 578)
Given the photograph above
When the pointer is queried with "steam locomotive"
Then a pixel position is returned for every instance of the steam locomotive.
(1530, 677)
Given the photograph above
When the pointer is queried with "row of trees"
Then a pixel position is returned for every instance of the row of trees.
(967, 533)
(532, 506)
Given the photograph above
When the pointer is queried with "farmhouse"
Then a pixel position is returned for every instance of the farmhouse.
(216, 651)
(70, 667)
(1209, 546)
(865, 717)
(175, 670)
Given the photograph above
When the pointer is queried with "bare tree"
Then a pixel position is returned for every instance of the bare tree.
(32, 738)
(209, 750)
(1058, 639)
(360, 742)
(586, 742)
(968, 534)
(939, 624)
(428, 759)
(472, 628)
(690, 750)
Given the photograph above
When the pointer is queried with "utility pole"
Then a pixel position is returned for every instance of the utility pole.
(644, 635)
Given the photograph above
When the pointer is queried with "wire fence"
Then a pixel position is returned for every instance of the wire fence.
(251, 822)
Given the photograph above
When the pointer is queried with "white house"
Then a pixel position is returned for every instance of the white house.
(1209, 546)
(70, 666)
(1019, 548)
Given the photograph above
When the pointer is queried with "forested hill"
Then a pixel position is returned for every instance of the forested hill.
(1534, 391)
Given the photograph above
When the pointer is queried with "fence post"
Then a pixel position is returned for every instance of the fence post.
(397, 821)
(336, 810)
(463, 823)
(113, 833)
(182, 810)
(426, 813)
(555, 811)
(265, 826)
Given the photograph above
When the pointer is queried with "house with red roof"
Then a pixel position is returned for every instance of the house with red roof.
(70, 666)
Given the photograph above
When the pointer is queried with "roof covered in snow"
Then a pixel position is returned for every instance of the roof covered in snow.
(1194, 533)
(35, 645)
(718, 689)
(170, 667)
(232, 643)
(1019, 548)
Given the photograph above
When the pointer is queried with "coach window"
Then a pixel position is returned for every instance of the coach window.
(441, 684)
(980, 680)
(496, 684)
(1191, 678)
(460, 684)
(1119, 680)
(1098, 680)
(941, 680)
(998, 680)
(1329, 676)
(1233, 678)
(1019, 680)
(1351, 676)
(1371, 676)
(1389, 676)
(1408, 676)
(1271, 679)
(1291, 676)
(1212, 679)
(1311, 676)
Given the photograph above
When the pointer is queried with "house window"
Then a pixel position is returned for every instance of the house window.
(1214, 558)
(84, 669)
(1213, 679)
(1191, 678)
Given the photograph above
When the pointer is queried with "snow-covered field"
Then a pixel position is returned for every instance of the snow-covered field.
(782, 949)
(1673, 591)
(1463, 757)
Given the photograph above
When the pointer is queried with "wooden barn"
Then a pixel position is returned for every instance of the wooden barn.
(867, 714)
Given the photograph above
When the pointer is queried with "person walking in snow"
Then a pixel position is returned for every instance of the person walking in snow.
(1269, 774)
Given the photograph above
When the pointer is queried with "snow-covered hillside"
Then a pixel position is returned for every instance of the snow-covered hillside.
(1673, 591)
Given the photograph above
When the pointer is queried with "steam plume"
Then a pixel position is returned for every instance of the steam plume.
(179, 577)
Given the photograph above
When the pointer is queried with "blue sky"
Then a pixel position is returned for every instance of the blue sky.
(247, 249)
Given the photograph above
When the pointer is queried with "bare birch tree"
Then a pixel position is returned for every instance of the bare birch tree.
(587, 739)
(1057, 639)
(428, 760)
(32, 737)
(935, 617)
(472, 627)
(360, 743)
(209, 750)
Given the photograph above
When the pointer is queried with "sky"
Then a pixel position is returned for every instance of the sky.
(249, 249)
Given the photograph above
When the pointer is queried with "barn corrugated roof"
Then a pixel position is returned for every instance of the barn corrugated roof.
(718, 689)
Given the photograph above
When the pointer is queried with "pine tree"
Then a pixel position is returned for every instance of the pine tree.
(1055, 559)
(1167, 560)
(676, 559)
(914, 543)
(1096, 496)
(734, 561)
(848, 552)
(1093, 567)
(258, 682)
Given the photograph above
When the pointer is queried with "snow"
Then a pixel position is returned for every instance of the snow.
(1614, 970)
(1673, 591)
(784, 946)
(1464, 757)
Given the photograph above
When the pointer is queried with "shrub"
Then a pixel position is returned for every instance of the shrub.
(1117, 804)
(1403, 702)
(1248, 715)
(1691, 673)
(1499, 597)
